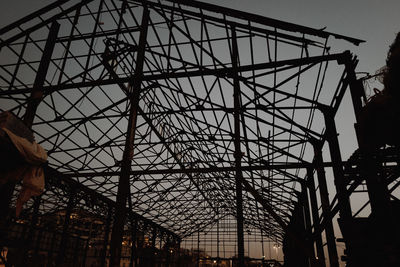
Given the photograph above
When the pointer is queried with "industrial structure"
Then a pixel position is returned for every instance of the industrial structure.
(180, 133)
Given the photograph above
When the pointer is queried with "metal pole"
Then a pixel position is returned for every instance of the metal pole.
(337, 164)
(198, 249)
(315, 215)
(64, 236)
(37, 90)
(323, 190)
(307, 223)
(133, 240)
(153, 246)
(106, 236)
(123, 185)
(238, 153)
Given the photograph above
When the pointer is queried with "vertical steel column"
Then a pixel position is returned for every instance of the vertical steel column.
(161, 259)
(168, 257)
(153, 245)
(123, 185)
(238, 153)
(64, 236)
(218, 242)
(307, 222)
(323, 190)
(315, 215)
(356, 88)
(133, 240)
(37, 90)
(106, 236)
(34, 220)
(85, 252)
(76, 250)
(198, 249)
(337, 166)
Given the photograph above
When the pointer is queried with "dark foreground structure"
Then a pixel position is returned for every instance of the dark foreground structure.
(180, 133)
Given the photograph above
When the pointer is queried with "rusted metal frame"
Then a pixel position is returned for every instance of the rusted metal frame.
(43, 23)
(73, 199)
(238, 153)
(35, 14)
(92, 37)
(123, 185)
(307, 222)
(34, 220)
(88, 118)
(37, 91)
(192, 43)
(263, 20)
(187, 35)
(276, 217)
(240, 26)
(275, 149)
(293, 123)
(394, 177)
(208, 125)
(283, 129)
(134, 251)
(324, 195)
(74, 23)
(315, 215)
(220, 72)
(275, 90)
(211, 169)
(18, 64)
(378, 192)
(107, 225)
(134, 228)
(34, 101)
(153, 247)
(337, 163)
(208, 91)
(61, 178)
(182, 167)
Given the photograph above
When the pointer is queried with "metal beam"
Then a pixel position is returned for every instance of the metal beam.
(324, 194)
(124, 184)
(219, 72)
(238, 152)
(214, 169)
(315, 216)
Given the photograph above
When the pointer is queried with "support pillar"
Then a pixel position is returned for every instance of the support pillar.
(337, 164)
(153, 246)
(106, 238)
(198, 249)
(133, 239)
(238, 153)
(315, 216)
(323, 190)
(307, 223)
(64, 236)
(123, 185)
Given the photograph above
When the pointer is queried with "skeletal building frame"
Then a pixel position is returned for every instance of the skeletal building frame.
(176, 114)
